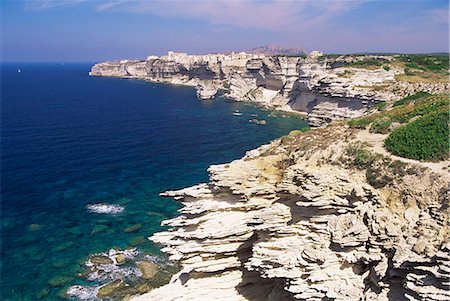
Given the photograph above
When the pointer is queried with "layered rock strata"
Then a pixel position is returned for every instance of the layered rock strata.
(294, 220)
(312, 85)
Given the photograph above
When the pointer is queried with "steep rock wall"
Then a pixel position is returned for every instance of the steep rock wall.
(310, 85)
(292, 221)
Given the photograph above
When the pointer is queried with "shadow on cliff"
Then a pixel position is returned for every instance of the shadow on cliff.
(253, 287)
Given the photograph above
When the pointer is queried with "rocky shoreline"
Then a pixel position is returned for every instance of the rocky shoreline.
(295, 220)
(301, 218)
(320, 86)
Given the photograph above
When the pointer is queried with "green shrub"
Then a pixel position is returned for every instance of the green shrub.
(365, 63)
(360, 156)
(381, 106)
(387, 68)
(359, 123)
(380, 125)
(419, 107)
(305, 129)
(409, 98)
(426, 62)
(423, 139)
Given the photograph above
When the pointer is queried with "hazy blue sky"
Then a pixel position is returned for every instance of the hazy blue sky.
(81, 30)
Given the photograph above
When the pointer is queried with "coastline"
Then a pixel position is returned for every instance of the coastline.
(265, 227)
(325, 88)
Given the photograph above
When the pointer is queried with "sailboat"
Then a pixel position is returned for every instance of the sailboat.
(19, 71)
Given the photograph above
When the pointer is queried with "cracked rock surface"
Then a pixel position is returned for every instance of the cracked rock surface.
(292, 220)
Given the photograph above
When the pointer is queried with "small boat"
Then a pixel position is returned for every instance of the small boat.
(19, 71)
(237, 114)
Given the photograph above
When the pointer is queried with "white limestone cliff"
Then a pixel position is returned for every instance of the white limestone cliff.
(315, 85)
(293, 220)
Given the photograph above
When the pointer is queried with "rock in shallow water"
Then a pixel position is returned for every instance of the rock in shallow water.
(148, 269)
(133, 228)
(120, 273)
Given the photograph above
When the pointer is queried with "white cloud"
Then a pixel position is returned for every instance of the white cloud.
(48, 4)
(272, 15)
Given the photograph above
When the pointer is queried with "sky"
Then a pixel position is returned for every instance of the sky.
(90, 31)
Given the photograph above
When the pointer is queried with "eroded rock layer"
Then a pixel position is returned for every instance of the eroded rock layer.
(313, 85)
(295, 220)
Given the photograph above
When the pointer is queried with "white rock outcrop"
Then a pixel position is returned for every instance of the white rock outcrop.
(292, 221)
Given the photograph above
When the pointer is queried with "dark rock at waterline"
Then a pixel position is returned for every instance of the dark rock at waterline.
(99, 259)
(148, 269)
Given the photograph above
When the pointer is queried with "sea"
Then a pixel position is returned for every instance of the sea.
(69, 140)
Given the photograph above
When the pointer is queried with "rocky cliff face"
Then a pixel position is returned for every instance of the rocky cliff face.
(312, 85)
(295, 220)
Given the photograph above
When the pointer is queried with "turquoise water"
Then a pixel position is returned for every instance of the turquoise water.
(69, 140)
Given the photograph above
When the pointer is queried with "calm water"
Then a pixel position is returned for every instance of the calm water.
(68, 140)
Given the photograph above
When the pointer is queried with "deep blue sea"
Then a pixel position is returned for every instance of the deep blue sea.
(68, 140)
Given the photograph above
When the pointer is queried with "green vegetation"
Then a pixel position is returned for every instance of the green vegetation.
(387, 68)
(366, 63)
(423, 139)
(381, 125)
(381, 106)
(361, 122)
(360, 155)
(409, 98)
(380, 170)
(423, 68)
(418, 107)
(418, 127)
(425, 62)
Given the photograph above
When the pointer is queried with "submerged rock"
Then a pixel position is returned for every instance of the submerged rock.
(110, 289)
(35, 227)
(43, 293)
(138, 240)
(59, 281)
(133, 228)
(99, 229)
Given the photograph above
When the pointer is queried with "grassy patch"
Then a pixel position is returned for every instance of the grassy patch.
(380, 170)
(409, 98)
(424, 133)
(423, 68)
(345, 74)
(418, 107)
(361, 122)
(366, 63)
(380, 125)
(423, 139)
(425, 62)
(381, 106)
